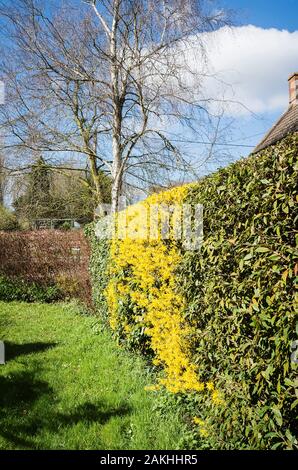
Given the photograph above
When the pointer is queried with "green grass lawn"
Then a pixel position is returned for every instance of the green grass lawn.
(67, 385)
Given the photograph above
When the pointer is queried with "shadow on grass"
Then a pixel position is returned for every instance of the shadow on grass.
(14, 350)
(21, 389)
(27, 409)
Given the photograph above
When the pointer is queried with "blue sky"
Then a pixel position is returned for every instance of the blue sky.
(256, 59)
(267, 14)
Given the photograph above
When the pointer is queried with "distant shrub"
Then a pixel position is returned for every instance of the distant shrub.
(46, 258)
(70, 286)
(20, 290)
(8, 220)
(65, 226)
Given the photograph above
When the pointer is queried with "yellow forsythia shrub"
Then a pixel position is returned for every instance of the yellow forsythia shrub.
(142, 294)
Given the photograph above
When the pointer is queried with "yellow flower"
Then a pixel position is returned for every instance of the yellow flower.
(202, 426)
(210, 386)
(203, 432)
(198, 421)
(142, 272)
(217, 398)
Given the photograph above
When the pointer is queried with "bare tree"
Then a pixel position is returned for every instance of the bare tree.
(104, 80)
(3, 179)
(50, 108)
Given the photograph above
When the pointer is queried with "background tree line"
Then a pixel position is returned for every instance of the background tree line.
(47, 193)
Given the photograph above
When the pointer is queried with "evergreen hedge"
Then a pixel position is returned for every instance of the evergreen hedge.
(98, 269)
(241, 296)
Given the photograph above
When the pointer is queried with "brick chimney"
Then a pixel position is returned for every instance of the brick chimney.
(293, 89)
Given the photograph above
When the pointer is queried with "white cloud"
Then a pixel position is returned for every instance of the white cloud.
(254, 65)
